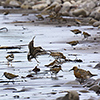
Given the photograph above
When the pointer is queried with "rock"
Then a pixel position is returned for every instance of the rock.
(52, 6)
(73, 83)
(96, 24)
(72, 95)
(84, 91)
(97, 66)
(88, 5)
(14, 3)
(89, 83)
(26, 6)
(39, 7)
(65, 9)
(16, 96)
(95, 13)
(79, 12)
(95, 88)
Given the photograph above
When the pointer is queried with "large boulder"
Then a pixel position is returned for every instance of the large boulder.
(39, 7)
(96, 24)
(79, 12)
(65, 8)
(12, 3)
(88, 5)
(95, 13)
(72, 95)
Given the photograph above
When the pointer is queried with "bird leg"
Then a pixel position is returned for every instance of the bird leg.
(37, 60)
(8, 63)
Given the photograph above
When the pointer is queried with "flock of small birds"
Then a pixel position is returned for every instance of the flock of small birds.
(55, 66)
(77, 31)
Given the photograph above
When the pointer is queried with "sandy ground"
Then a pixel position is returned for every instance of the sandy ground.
(50, 37)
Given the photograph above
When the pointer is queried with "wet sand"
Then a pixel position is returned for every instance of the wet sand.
(51, 36)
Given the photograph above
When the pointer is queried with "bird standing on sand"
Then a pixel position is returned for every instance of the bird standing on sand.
(55, 62)
(57, 55)
(36, 69)
(10, 76)
(10, 58)
(78, 22)
(55, 69)
(82, 74)
(40, 17)
(76, 31)
(5, 13)
(86, 35)
(73, 43)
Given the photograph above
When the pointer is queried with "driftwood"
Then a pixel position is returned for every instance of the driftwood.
(9, 81)
(17, 52)
(20, 22)
(3, 28)
(10, 47)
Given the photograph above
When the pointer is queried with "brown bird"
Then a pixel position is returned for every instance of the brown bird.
(86, 35)
(58, 55)
(36, 69)
(55, 69)
(40, 17)
(34, 51)
(6, 12)
(73, 43)
(10, 58)
(10, 75)
(78, 22)
(76, 31)
(82, 74)
(55, 62)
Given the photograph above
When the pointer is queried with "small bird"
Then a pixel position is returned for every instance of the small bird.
(10, 75)
(36, 69)
(82, 74)
(78, 22)
(40, 17)
(5, 14)
(86, 35)
(10, 58)
(73, 43)
(34, 51)
(55, 62)
(55, 69)
(57, 55)
(76, 31)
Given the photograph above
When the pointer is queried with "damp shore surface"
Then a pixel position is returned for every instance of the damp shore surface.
(51, 37)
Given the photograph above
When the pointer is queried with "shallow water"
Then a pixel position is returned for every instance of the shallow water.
(41, 86)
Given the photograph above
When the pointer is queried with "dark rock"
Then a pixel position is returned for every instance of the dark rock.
(89, 83)
(97, 66)
(16, 96)
(95, 88)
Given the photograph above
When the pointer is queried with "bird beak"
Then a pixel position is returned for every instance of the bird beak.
(2, 75)
(34, 37)
(61, 70)
(70, 69)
